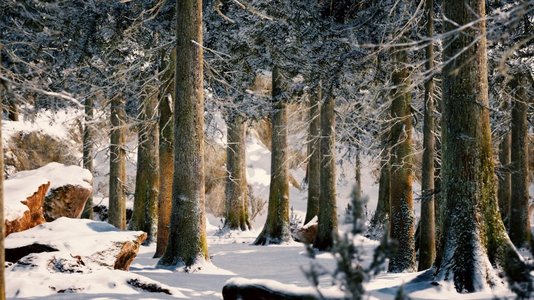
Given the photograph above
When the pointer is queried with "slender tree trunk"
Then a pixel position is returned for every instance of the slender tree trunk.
(3, 88)
(427, 244)
(505, 179)
(314, 154)
(276, 229)
(236, 181)
(520, 222)
(381, 214)
(187, 238)
(117, 167)
(12, 109)
(357, 204)
(88, 152)
(327, 200)
(401, 198)
(474, 239)
(145, 210)
(166, 158)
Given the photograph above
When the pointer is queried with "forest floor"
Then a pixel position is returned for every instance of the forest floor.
(232, 254)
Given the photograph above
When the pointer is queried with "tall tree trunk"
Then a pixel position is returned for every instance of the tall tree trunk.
(3, 88)
(88, 152)
(117, 165)
(166, 157)
(474, 239)
(427, 244)
(505, 178)
(187, 238)
(12, 109)
(327, 200)
(520, 222)
(357, 204)
(314, 154)
(381, 214)
(145, 210)
(276, 229)
(236, 181)
(401, 198)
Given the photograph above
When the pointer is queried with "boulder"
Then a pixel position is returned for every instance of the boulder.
(66, 201)
(96, 243)
(23, 201)
(307, 233)
(253, 289)
(70, 187)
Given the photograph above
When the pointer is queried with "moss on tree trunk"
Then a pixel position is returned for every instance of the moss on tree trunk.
(187, 238)
(117, 167)
(276, 229)
(145, 210)
(327, 220)
(236, 192)
(474, 240)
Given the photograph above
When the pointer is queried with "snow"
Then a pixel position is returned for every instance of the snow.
(78, 236)
(17, 190)
(59, 175)
(25, 183)
(232, 256)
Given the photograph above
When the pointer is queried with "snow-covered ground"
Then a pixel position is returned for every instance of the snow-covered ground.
(232, 254)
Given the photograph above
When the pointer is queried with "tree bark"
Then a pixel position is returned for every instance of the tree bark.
(145, 210)
(505, 179)
(401, 198)
(427, 244)
(187, 238)
(520, 221)
(236, 181)
(327, 200)
(117, 165)
(88, 152)
(314, 154)
(474, 239)
(357, 204)
(3, 87)
(276, 229)
(381, 214)
(12, 109)
(166, 157)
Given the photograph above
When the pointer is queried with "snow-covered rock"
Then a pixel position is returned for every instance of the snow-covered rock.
(70, 187)
(96, 243)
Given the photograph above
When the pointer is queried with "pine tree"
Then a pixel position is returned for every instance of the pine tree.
(145, 210)
(474, 240)
(505, 178)
(187, 237)
(314, 156)
(427, 244)
(88, 151)
(520, 221)
(327, 221)
(166, 156)
(276, 229)
(3, 88)
(401, 199)
(236, 181)
(117, 165)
